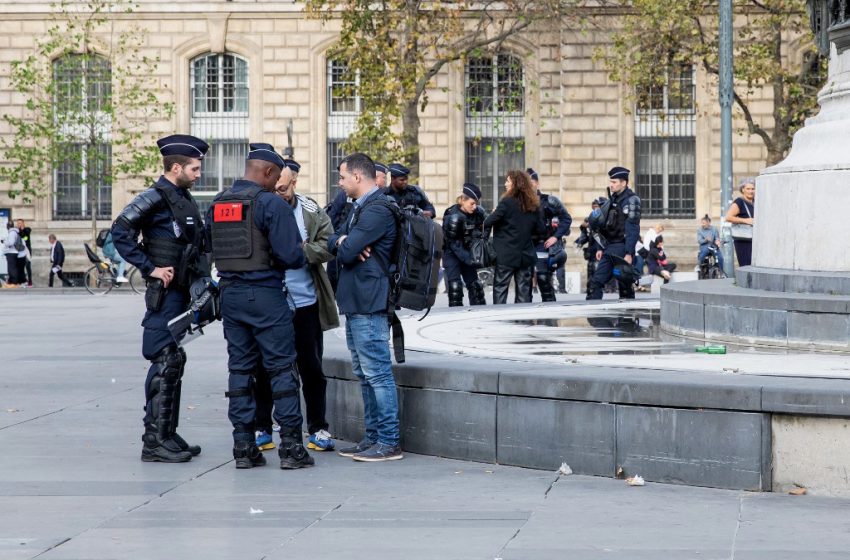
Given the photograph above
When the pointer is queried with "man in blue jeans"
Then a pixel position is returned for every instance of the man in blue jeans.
(363, 247)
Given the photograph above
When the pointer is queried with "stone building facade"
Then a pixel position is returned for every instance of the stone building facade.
(239, 70)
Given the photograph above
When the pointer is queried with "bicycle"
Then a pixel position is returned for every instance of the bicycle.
(101, 278)
(709, 268)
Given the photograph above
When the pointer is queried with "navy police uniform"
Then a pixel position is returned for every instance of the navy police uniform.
(459, 229)
(557, 222)
(409, 195)
(618, 224)
(255, 239)
(170, 224)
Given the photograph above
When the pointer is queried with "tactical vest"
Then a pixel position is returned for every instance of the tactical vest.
(238, 245)
(164, 252)
(614, 229)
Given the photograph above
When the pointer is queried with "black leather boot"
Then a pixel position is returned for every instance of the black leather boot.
(476, 294)
(291, 451)
(247, 455)
(544, 283)
(455, 293)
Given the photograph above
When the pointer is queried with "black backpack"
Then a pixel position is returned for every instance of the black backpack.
(101, 238)
(414, 265)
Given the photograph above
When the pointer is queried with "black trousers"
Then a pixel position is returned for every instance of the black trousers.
(65, 282)
(522, 283)
(309, 347)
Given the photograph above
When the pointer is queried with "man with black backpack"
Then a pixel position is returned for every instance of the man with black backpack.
(363, 246)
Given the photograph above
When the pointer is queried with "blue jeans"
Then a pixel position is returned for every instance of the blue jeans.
(368, 338)
(703, 251)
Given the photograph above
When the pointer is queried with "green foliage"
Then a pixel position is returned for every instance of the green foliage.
(773, 47)
(89, 95)
(395, 49)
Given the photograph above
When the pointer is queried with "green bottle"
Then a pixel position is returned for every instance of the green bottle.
(711, 349)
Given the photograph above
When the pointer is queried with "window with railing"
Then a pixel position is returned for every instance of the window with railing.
(495, 122)
(219, 85)
(82, 85)
(665, 146)
(343, 111)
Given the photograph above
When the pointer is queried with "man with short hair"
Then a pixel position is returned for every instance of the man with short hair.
(57, 261)
(315, 312)
(617, 223)
(255, 241)
(169, 258)
(557, 221)
(364, 246)
(406, 194)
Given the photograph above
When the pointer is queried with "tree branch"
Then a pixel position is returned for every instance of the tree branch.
(752, 126)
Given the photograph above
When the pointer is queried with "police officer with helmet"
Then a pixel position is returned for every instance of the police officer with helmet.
(550, 247)
(406, 194)
(617, 227)
(255, 239)
(462, 223)
(170, 257)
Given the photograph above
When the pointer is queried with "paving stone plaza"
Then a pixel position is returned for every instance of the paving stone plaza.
(73, 488)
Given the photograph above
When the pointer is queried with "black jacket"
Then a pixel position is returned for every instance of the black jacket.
(513, 233)
(58, 254)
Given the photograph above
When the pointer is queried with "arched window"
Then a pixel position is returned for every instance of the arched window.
(219, 84)
(495, 122)
(665, 146)
(82, 90)
(343, 110)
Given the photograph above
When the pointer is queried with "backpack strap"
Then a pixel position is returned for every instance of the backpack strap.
(392, 317)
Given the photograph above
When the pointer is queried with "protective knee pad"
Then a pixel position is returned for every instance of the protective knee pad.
(455, 293)
(476, 293)
(162, 391)
(544, 284)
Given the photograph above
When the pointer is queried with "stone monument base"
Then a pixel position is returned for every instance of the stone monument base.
(765, 307)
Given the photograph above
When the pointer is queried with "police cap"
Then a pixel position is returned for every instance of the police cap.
(293, 165)
(619, 173)
(182, 145)
(265, 152)
(381, 168)
(398, 170)
(533, 174)
(472, 191)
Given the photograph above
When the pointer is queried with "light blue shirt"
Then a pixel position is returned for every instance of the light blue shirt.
(299, 281)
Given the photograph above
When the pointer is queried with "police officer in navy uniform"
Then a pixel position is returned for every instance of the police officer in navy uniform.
(169, 256)
(255, 239)
(557, 221)
(405, 194)
(462, 223)
(617, 224)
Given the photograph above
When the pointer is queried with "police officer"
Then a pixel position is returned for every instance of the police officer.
(588, 245)
(550, 247)
(255, 239)
(617, 222)
(169, 257)
(405, 194)
(462, 223)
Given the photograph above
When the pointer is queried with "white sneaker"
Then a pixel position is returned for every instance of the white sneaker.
(121, 279)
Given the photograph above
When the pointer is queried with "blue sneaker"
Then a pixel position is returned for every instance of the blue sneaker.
(264, 441)
(321, 441)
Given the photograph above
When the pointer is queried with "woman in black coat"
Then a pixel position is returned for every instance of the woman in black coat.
(515, 223)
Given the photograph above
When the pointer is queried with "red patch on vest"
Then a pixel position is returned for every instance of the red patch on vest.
(227, 212)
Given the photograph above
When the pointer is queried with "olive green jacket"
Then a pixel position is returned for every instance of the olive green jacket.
(319, 228)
